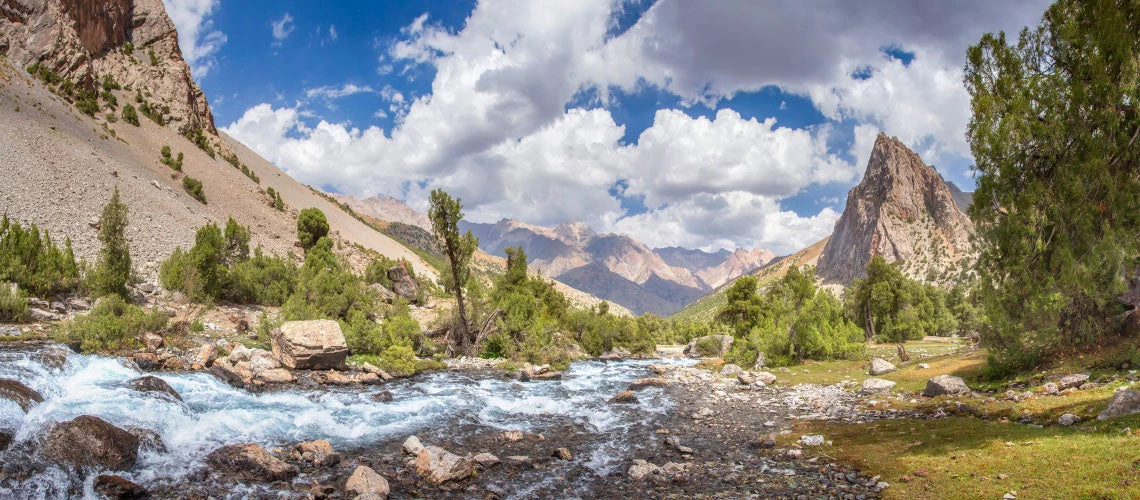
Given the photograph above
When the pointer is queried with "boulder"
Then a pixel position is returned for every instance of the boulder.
(1050, 388)
(382, 397)
(659, 369)
(152, 341)
(373, 369)
(875, 386)
(383, 293)
(512, 436)
(642, 383)
(1075, 380)
(519, 461)
(23, 395)
(149, 440)
(439, 465)
(334, 377)
(563, 454)
(249, 462)
(403, 284)
(318, 453)
(310, 345)
(1068, 419)
(365, 481)
(641, 470)
(412, 445)
(146, 361)
(880, 366)
(692, 351)
(88, 441)
(812, 440)
(1124, 402)
(173, 364)
(730, 371)
(945, 384)
(485, 459)
(760, 360)
(150, 383)
(54, 357)
(273, 376)
(118, 488)
(43, 315)
(207, 354)
(625, 396)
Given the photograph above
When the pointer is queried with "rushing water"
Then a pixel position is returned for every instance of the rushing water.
(215, 414)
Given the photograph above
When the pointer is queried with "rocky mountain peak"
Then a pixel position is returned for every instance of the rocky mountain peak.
(904, 211)
(574, 233)
(86, 40)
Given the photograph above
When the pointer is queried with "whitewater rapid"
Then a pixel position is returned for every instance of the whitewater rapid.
(213, 414)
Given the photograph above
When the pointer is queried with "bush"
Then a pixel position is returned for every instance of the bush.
(112, 325)
(193, 187)
(311, 226)
(398, 360)
(128, 48)
(199, 139)
(170, 161)
(13, 306)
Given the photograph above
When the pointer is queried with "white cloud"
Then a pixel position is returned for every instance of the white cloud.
(334, 92)
(496, 129)
(196, 37)
(332, 32)
(282, 28)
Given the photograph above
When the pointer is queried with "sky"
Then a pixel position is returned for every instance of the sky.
(711, 124)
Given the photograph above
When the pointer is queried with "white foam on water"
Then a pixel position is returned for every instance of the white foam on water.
(214, 414)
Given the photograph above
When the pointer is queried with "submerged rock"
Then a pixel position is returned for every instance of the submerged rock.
(118, 488)
(5, 440)
(563, 454)
(1125, 402)
(625, 396)
(148, 439)
(439, 465)
(382, 397)
(150, 383)
(945, 384)
(23, 395)
(89, 441)
(365, 481)
(249, 462)
(310, 345)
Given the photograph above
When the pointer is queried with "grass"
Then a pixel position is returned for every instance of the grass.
(959, 457)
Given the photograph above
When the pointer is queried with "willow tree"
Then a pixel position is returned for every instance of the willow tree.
(445, 214)
(1055, 136)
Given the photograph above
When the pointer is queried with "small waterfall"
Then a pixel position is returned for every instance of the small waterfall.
(214, 414)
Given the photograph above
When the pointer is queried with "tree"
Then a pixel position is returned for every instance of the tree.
(207, 258)
(237, 242)
(113, 270)
(743, 308)
(311, 227)
(445, 214)
(1055, 133)
(516, 266)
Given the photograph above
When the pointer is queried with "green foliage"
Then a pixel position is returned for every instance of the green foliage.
(13, 305)
(112, 325)
(398, 360)
(1053, 133)
(197, 326)
(113, 270)
(262, 279)
(196, 136)
(790, 322)
(110, 99)
(237, 242)
(29, 258)
(311, 227)
(193, 187)
(45, 74)
(325, 289)
(445, 213)
(894, 308)
(130, 115)
(87, 104)
(149, 111)
(128, 48)
(153, 58)
(168, 160)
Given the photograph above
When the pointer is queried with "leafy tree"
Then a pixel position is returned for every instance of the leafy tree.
(311, 226)
(894, 308)
(208, 261)
(113, 270)
(743, 307)
(1054, 134)
(237, 242)
(130, 115)
(445, 214)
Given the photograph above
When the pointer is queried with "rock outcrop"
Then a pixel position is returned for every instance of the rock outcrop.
(90, 441)
(903, 211)
(1123, 402)
(85, 40)
(310, 345)
(403, 284)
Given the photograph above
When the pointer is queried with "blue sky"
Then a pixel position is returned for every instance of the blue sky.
(703, 125)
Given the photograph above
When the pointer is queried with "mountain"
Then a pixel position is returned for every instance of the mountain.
(617, 267)
(903, 211)
(385, 208)
(61, 165)
(704, 308)
(962, 198)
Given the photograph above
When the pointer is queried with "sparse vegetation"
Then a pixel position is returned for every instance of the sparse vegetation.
(174, 163)
(193, 187)
(13, 306)
(112, 325)
(196, 136)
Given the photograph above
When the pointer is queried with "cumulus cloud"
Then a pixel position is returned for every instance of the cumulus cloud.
(196, 37)
(497, 128)
(282, 28)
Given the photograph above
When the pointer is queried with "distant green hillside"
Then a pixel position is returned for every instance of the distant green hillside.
(705, 308)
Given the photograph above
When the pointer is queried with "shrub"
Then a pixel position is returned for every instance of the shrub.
(128, 48)
(87, 105)
(168, 160)
(29, 258)
(109, 98)
(112, 325)
(398, 360)
(199, 139)
(311, 227)
(153, 58)
(197, 326)
(262, 279)
(193, 187)
(13, 306)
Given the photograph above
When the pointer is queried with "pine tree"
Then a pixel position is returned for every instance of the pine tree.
(445, 214)
(113, 270)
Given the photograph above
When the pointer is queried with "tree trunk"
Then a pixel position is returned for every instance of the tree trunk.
(870, 323)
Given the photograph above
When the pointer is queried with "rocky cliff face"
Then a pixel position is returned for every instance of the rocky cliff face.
(903, 211)
(84, 40)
